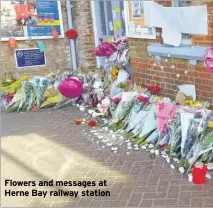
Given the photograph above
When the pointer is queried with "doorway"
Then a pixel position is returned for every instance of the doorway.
(108, 21)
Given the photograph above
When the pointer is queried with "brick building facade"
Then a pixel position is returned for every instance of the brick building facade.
(165, 75)
(143, 68)
(57, 53)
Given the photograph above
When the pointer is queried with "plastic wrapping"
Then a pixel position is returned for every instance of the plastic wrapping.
(123, 76)
(105, 49)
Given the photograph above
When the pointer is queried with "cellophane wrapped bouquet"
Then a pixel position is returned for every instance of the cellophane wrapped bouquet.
(122, 110)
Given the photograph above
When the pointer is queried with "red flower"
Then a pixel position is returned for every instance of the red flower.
(154, 89)
(92, 123)
(116, 100)
(164, 147)
(142, 99)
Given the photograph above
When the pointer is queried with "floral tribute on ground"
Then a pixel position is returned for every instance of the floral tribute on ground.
(121, 112)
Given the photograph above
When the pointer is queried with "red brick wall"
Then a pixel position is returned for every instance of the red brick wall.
(85, 42)
(172, 72)
(58, 55)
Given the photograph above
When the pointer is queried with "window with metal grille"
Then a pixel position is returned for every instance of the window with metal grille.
(107, 19)
(102, 17)
(122, 18)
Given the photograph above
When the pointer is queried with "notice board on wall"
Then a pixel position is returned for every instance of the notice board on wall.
(31, 57)
(23, 20)
(135, 21)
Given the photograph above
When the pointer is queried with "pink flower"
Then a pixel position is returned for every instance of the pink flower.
(116, 100)
(161, 106)
(142, 99)
(172, 115)
(9, 98)
(164, 129)
(129, 81)
(34, 108)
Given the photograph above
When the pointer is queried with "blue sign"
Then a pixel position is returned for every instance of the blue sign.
(35, 19)
(48, 18)
(29, 58)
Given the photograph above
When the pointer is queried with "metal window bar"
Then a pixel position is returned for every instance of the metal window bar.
(109, 16)
(122, 18)
(102, 15)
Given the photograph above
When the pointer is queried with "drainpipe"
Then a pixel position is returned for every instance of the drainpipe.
(72, 42)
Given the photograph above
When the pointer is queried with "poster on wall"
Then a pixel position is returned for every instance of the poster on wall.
(31, 57)
(30, 19)
(135, 24)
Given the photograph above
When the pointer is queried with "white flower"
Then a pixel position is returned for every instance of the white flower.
(181, 169)
(172, 166)
(157, 152)
(167, 160)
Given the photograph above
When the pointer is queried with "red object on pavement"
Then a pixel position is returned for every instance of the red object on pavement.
(199, 174)
(78, 122)
(92, 123)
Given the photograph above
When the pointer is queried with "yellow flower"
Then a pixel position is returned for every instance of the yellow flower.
(116, 120)
(114, 72)
(158, 98)
(197, 103)
(210, 124)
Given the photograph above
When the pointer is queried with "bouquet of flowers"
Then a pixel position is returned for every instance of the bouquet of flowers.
(40, 85)
(174, 130)
(149, 126)
(116, 91)
(115, 102)
(138, 124)
(186, 123)
(203, 145)
(138, 104)
(122, 109)
(198, 129)
(14, 86)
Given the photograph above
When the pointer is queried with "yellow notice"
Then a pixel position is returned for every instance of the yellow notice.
(109, 40)
(118, 23)
(115, 28)
(117, 9)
